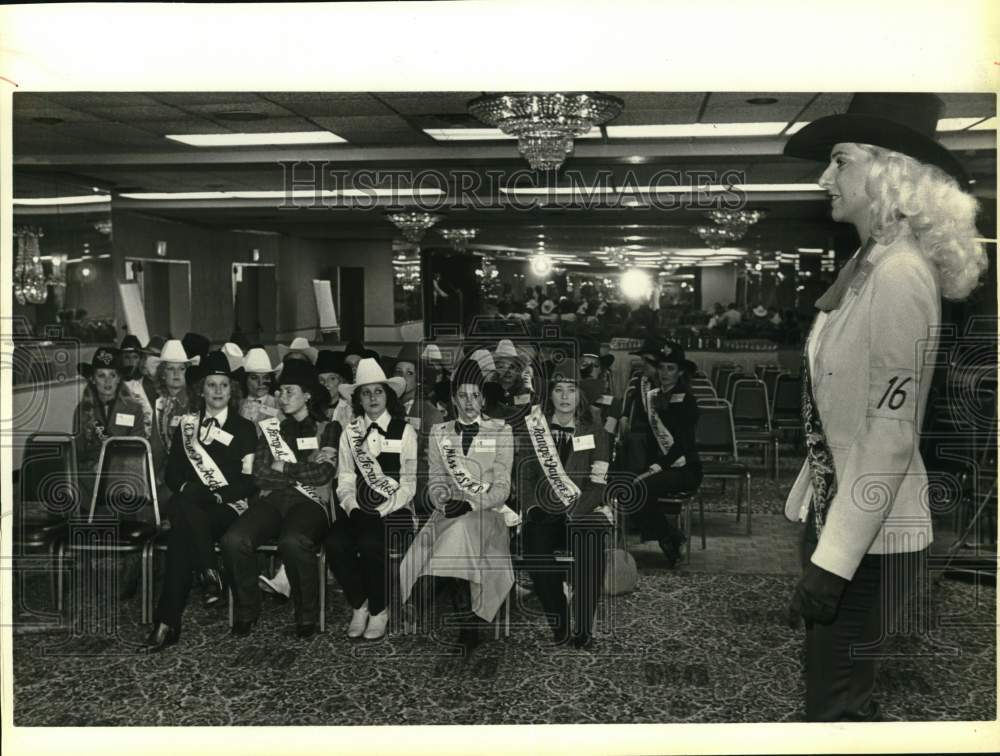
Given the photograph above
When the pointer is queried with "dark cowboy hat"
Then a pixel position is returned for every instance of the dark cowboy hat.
(649, 350)
(195, 344)
(409, 352)
(328, 361)
(215, 363)
(104, 357)
(354, 347)
(589, 348)
(900, 121)
(155, 345)
(673, 353)
(606, 361)
(565, 371)
(299, 373)
(130, 344)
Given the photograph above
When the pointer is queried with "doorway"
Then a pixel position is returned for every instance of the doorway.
(255, 303)
(351, 293)
(165, 287)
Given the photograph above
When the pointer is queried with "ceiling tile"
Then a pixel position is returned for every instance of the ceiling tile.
(417, 103)
(968, 105)
(212, 99)
(138, 113)
(329, 103)
(87, 100)
(732, 107)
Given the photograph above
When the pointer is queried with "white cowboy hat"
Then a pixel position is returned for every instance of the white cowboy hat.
(484, 359)
(234, 354)
(506, 348)
(432, 352)
(299, 344)
(257, 361)
(172, 351)
(369, 371)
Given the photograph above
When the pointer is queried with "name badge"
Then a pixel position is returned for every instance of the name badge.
(522, 399)
(125, 419)
(611, 424)
(605, 400)
(484, 444)
(676, 398)
(175, 421)
(392, 445)
(304, 444)
(221, 436)
(582, 443)
(415, 422)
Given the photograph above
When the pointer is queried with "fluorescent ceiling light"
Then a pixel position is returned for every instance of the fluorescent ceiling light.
(682, 130)
(989, 124)
(484, 135)
(245, 140)
(810, 250)
(280, 194)
(84, 199)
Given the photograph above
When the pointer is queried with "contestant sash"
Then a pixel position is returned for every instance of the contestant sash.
(271, 428)
(664, 439)
(548, 457)
(204, 466)
(371, 471)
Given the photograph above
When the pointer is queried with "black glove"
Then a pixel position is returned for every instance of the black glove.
(456, 508)
(816, 597)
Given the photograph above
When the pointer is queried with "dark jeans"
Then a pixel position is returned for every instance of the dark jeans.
(588, 537)
(194, 528)
(842, 658)
(357, 553)
(299, 525)
(654, 518)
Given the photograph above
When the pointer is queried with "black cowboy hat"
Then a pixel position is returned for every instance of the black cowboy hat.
(354, 347)
(104, 357)
(195, 344)
(904, 122)
(130, 344)
(674, 353)
(328, 361)
(215, 363)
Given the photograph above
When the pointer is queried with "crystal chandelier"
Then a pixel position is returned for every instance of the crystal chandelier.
(406, 269)
(546, 123)
(731, 226)
(459, 237)
(29, 278)
(736, 217)
(413, 224)
(617, 256)
(718, 236)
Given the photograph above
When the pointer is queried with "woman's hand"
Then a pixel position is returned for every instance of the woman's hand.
(327, 454)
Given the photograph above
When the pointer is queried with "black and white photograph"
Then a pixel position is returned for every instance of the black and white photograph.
(378, 404)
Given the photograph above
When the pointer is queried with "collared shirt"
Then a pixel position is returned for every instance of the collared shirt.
(309, 473)
(220, 417)
(347, 477)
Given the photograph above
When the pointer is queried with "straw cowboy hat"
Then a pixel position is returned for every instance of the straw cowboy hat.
(904, 122)
(369, 371)
(299, 345)
(257, 361)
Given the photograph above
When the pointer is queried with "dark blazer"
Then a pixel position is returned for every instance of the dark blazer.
(534, 490)
(678, 411)
(228, 458)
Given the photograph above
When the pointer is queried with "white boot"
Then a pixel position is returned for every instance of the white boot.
(359, 621)
(377, 625)
(277, 584)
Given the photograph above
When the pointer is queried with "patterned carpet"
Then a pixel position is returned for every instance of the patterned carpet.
(684, 647)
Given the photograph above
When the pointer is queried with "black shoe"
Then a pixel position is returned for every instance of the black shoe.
(670, 550)
(242, 628)
(163, 635)
(213, 587)
(306, 630)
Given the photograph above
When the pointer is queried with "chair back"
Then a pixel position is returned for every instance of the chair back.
(720, 374)
(787, 397)
(125, 484)
(715, 434)
(703, 391)
(48, 476)
(750, 405)
(732, 378)
(771, 380)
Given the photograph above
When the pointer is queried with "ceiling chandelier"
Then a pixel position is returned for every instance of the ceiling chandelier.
(546, 123)
(730, 226)
(616, 256)
(413, 224)
(736, 217)
(718, 236)
(30, 282)
(459, 237)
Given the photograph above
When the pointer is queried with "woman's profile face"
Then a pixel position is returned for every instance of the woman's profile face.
(292, 398)
(844, 180)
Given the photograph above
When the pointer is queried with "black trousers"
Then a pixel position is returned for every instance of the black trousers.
(842, 658)
(299, 525)
(357, 552)
(195, 526)
(652, 517)
(587, 538)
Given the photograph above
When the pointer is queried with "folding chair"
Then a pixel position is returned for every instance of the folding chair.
(786, 409)
(752, 419)
(715, 438)
(48, 483)
(125, 486)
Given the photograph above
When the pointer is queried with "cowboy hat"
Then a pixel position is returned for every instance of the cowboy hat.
(673, 353)
(304, 375)
(369, 371)
(155, 345)
(432, 353)
(354, 348)
(103, 357)
(409, 352)
(505, 348)
(257, 361)
(565, 371)
(484, 359)
(215, 363)
(195, 344)
(649, 350)
(130, 344)
(329, 361)
(299, 345)
(903, 122)
(172, 351)
(234, 354)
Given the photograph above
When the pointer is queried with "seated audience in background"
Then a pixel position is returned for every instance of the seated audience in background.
(210, 469)
(376, 482)
(295, 461)
(672, 458)
(466, 537)
(561, 480)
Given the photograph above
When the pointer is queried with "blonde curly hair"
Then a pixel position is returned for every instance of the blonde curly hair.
(908, 193)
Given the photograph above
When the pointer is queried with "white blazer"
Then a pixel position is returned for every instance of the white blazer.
(872, 361)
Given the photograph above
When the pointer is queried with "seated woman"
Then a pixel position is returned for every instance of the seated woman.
(333, 371)
(171, 403)
(209, 469)
(562, 478)
(104, 411)
(672, 415)
(294, 464)
(376, 482)
(469, 464)
(258, 375)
